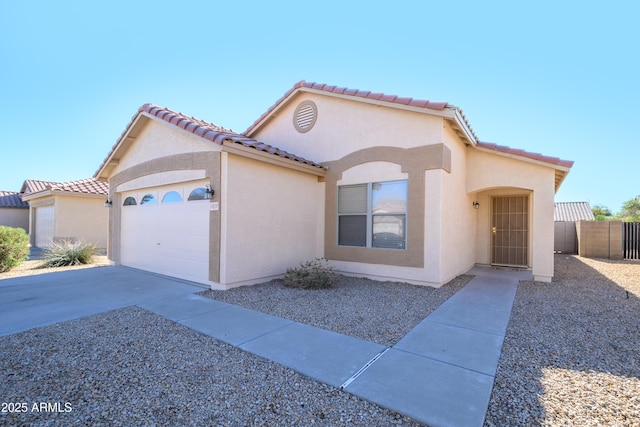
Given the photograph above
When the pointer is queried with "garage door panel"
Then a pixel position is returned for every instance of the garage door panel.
(166, 238)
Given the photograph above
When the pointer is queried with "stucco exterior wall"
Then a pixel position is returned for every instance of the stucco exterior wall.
(459, 218)
(158, 140)
(82, 218)
(15, 217)
(491, 175)
(272, 220)
(345, 126)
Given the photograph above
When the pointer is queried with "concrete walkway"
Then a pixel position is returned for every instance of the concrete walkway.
(441, 373)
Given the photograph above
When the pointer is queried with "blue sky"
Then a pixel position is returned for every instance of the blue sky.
(556, 77)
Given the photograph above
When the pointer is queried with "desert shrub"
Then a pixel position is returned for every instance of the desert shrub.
(316, 274)
(14, 247)
(66, 252)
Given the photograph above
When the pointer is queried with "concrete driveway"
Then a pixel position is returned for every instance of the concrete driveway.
(45, 299)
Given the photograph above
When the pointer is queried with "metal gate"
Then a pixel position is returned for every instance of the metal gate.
(510, 231)
(565, 237)
(631, 240)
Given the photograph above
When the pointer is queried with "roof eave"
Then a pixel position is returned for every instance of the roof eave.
(55, 192)
(230, 146)
(122, 144)
(561, 171)
(450, 113)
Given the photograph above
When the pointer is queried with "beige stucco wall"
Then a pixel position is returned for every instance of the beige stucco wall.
(344, 126)
(271, 220)
(82, 218)
(157, 140)
(15, 217)
(77, 217)
(493, 175)
(457, 214)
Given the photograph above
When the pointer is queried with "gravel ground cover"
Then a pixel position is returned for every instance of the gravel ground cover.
(380, 312)
(130, 367)
(571, 356)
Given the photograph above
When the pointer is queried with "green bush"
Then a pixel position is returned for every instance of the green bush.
(67, 252)
(314, 274)
(14, 247)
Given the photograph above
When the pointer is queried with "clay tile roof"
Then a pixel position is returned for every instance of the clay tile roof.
(572, 211)
(82, 186)
(11, 199)
(522, 153)
(85, 186)
(215, 133)
(35, 185)
(420, 103)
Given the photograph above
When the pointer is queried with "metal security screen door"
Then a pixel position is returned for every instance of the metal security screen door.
(510, 231)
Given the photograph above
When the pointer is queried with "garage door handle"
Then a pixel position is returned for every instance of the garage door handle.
(158, 244)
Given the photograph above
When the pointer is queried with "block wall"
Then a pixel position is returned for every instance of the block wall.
(600, 239)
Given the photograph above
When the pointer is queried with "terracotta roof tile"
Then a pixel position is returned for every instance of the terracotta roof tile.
(420, 103)
(83, 186)
(522, 153)
(11, 199)
(35, 185)
(215, 133)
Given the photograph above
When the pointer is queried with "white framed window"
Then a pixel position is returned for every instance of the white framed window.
(197, 194)
(373, 215)
(172, 197)
(130, 201)
(148, 199)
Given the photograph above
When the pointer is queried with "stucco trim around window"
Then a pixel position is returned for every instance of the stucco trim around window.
(414, 162)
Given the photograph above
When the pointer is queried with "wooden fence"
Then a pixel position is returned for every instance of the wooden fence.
(631, 240)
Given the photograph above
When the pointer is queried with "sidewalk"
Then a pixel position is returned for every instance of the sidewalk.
(441, 373)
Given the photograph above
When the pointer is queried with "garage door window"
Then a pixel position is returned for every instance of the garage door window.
(172, 197)
(129, 201)
(198, 194)
(149, 199)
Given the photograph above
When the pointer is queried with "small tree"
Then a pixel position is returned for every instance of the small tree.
(602, 213)
(14, 247)
(631, 210)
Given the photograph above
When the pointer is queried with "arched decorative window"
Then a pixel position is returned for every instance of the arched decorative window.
(149, 199)
(198, 194)
(172, 197)
(130, 201)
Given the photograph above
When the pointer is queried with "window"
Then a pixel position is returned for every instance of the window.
(198, 194)
(129, 201)
(373, 215)
(148, 199)
(172, 197)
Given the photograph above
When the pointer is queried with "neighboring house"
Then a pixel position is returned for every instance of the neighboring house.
(389, 188)
(67, 211)
(13, 211)
(565, 216)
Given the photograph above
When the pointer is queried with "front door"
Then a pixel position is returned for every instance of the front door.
(510, 231)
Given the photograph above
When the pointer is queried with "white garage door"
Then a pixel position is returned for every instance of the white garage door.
(165, 232)
(44, 226)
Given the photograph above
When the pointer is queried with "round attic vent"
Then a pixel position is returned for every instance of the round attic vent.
(305, 116)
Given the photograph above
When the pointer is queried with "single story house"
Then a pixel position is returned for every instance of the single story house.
(72, 210)
(565, 217)
(13, 211)
(385, 187)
